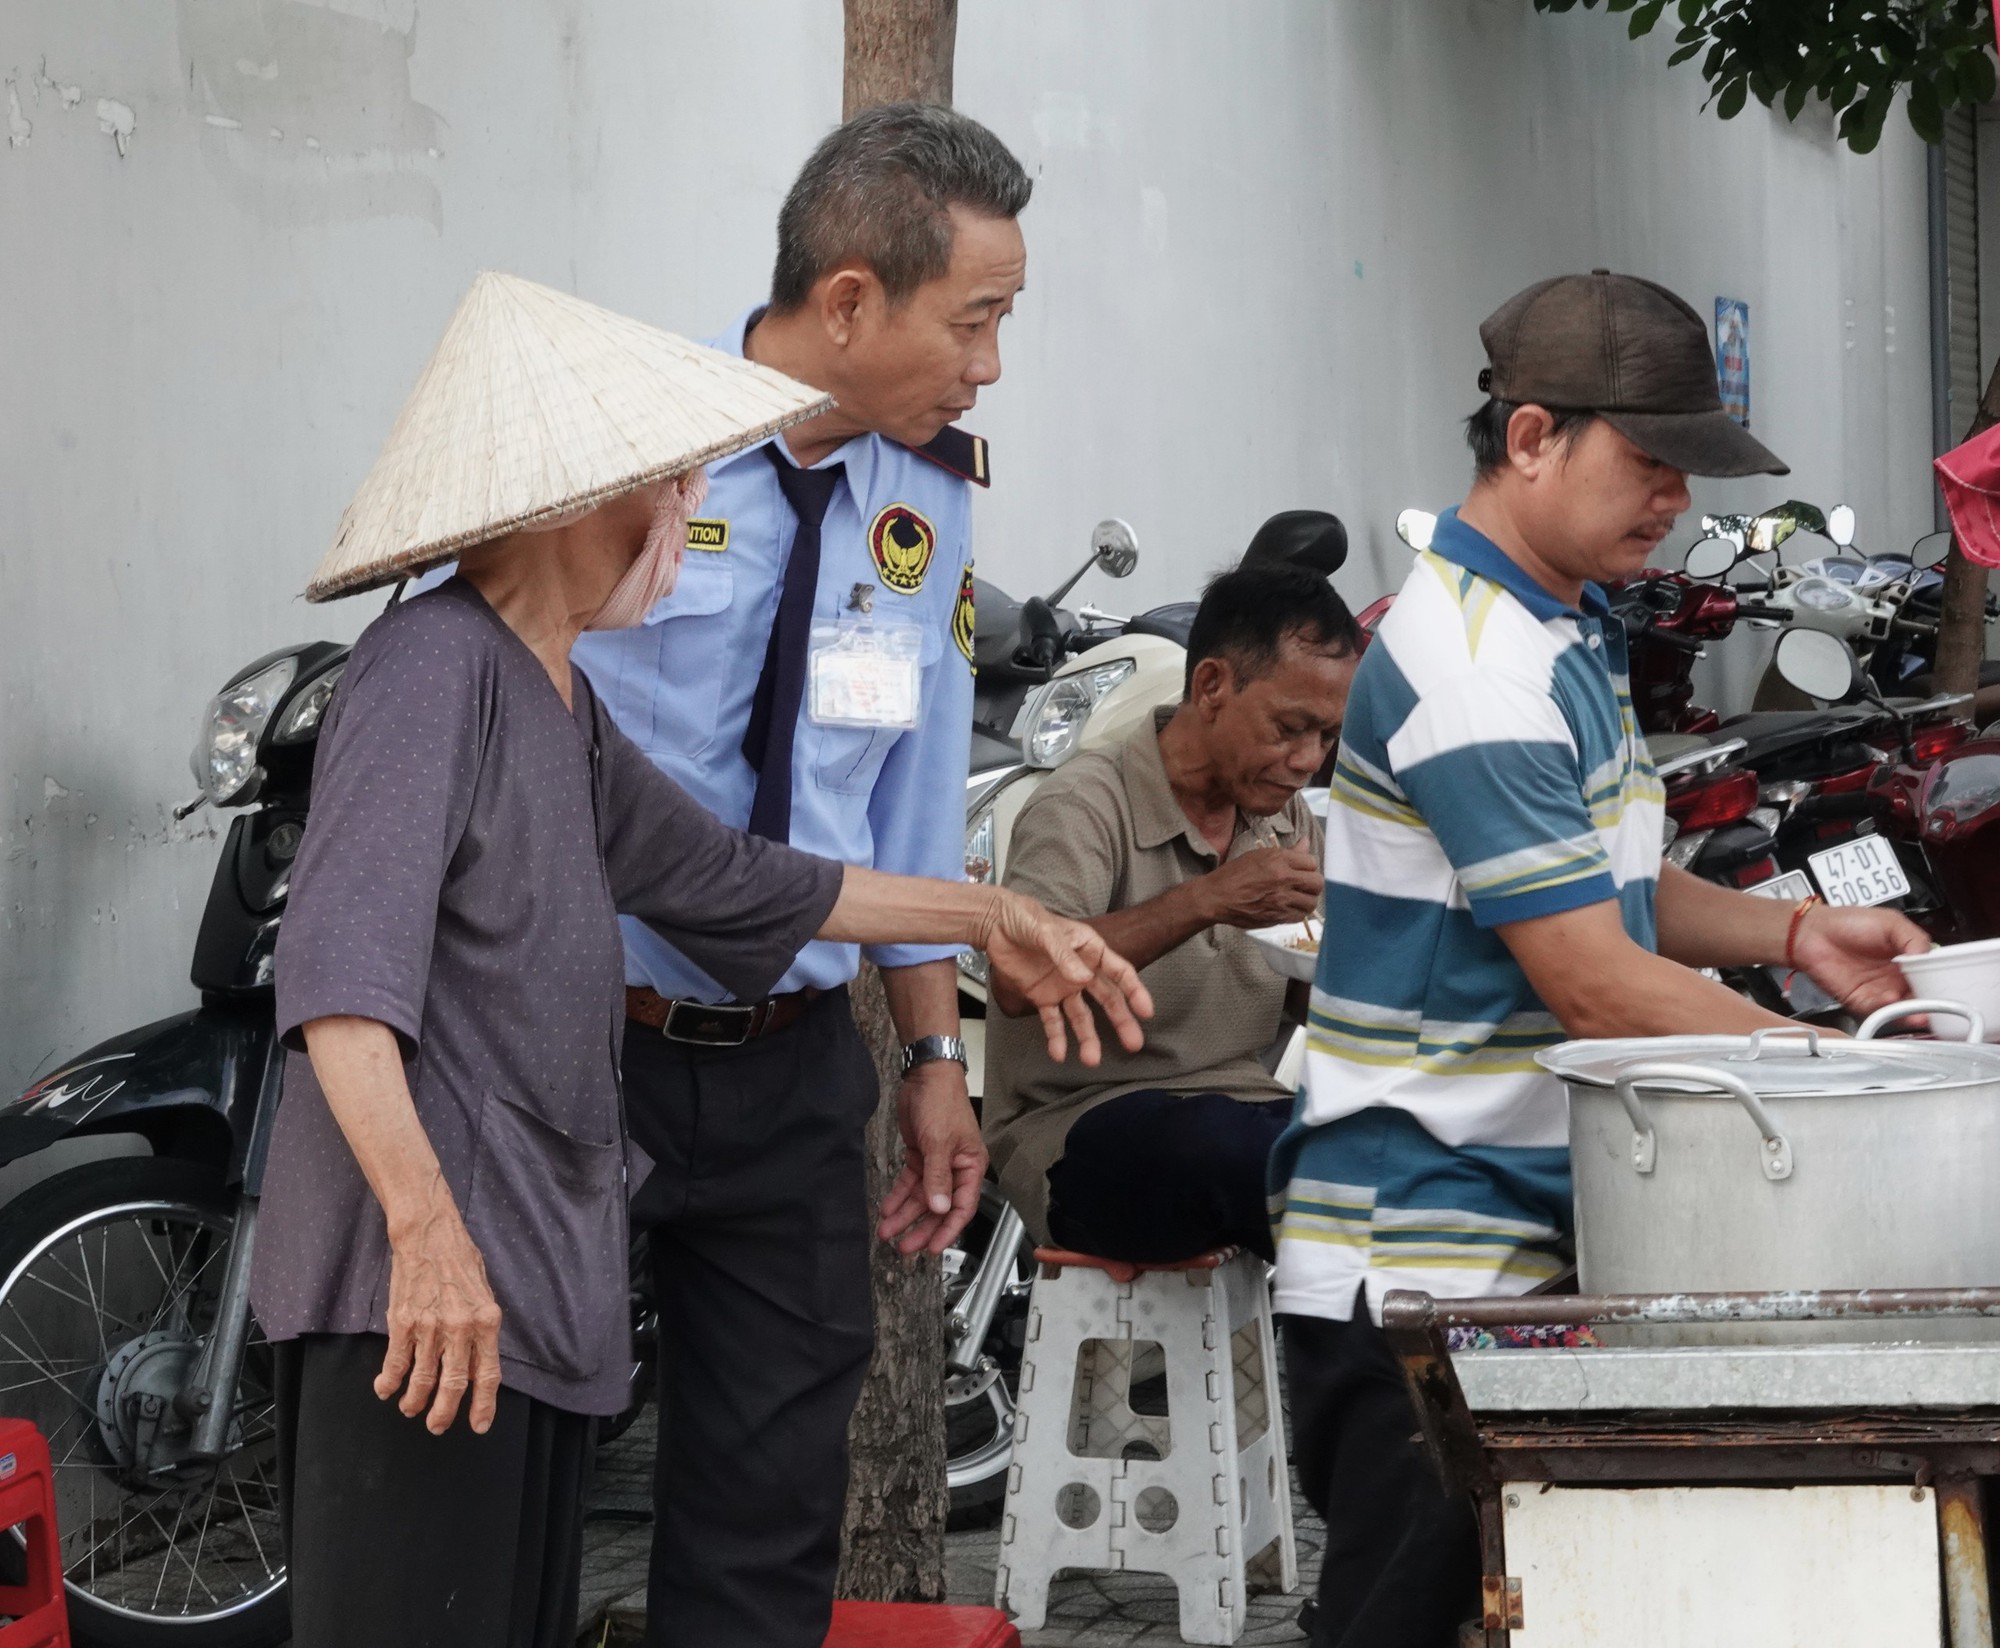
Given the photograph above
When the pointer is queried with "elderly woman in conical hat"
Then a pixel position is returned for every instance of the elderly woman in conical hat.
(442, 1261)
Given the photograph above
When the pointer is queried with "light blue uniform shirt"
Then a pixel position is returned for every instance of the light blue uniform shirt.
(680, 684)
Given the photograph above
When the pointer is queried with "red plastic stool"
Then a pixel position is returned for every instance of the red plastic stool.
(907, 1625)
(28, 1501)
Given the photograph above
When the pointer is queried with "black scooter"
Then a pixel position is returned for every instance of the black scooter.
(125, 1326)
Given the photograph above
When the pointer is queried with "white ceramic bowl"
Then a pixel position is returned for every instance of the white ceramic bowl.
(1960, 972)
(1281, 951)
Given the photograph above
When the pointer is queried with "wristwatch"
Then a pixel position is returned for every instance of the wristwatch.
(927, 1049)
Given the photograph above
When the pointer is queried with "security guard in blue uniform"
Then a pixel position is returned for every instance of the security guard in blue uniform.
(810, 678)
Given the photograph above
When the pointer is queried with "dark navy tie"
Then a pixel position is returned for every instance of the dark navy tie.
(781, 688)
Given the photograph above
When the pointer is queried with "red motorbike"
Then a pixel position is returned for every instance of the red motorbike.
(1946, 816)
(1932, 796)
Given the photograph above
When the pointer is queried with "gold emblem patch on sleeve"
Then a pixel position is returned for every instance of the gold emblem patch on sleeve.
(901, 543)
(712, 536)
(962, 617)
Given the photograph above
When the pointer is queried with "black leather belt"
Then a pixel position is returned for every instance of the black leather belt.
(715, 1024)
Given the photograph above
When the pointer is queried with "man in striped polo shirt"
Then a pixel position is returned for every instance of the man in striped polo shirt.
(1493, 873)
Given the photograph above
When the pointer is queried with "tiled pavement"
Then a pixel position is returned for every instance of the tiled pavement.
(1084, 1611)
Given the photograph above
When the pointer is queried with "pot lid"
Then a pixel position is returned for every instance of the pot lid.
(1784, 1062)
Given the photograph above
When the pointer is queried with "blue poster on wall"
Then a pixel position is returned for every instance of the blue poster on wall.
(1732, 357)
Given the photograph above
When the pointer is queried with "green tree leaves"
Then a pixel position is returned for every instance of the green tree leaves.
(1852, 55)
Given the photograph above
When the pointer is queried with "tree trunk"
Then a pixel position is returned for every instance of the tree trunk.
(898, 51)
(892, 1536)
(1961, 639)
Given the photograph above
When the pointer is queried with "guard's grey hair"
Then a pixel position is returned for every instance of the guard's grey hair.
(879, 189)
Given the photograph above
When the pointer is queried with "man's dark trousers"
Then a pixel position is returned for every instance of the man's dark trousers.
(1156, 1177)
(1402, 1557)
(757, 1214)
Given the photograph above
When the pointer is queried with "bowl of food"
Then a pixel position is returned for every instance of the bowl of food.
(1959, 972)
(1292, 949)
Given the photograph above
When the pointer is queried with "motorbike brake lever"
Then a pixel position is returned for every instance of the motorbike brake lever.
(188, 808)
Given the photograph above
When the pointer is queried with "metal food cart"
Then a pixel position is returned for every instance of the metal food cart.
(1768, 1493)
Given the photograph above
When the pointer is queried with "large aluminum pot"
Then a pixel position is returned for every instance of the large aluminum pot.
(1787, 1160)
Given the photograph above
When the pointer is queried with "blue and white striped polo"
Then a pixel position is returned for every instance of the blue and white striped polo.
(1491, 770)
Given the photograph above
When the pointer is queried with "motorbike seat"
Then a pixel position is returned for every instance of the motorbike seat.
(996, 625)
(1772, 733)
(1171, 622)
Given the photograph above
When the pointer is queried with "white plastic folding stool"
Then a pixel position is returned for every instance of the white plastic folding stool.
(1200, 1493)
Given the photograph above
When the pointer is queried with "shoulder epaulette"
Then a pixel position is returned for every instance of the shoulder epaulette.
(964, 455)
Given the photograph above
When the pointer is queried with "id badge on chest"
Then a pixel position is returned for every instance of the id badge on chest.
(864, 673)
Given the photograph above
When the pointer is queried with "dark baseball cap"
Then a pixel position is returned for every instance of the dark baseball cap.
(1633, 353)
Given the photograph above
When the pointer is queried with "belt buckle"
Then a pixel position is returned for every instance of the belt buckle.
(709, 1024)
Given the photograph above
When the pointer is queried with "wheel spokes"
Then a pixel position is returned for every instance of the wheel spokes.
(195, 1541)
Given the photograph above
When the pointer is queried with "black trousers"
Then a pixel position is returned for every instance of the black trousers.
(758, 1218)
(1402, 1557)
(400, 1539)
(1155, 1177)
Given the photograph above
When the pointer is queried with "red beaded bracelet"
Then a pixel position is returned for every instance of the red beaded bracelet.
(1792, 932)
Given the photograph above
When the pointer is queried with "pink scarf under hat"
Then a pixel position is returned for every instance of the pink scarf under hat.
(651, 579)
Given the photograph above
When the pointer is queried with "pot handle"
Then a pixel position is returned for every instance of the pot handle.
(1874, 1024)
(1776, 1157)
(1784, 1032)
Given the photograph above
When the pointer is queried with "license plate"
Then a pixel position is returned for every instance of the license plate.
(1861, 871)
(1793, 887)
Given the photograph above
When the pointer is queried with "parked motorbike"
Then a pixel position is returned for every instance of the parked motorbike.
(1935, 811)
(1815, 763)
(125, 1325)
(1018, 645)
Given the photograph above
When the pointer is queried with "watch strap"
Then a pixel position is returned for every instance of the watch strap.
(930, 1049)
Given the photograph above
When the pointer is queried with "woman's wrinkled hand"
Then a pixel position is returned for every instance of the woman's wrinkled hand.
(444, 1323)
(1059, 967)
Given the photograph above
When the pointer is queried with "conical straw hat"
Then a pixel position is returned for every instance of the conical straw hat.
(535, 405)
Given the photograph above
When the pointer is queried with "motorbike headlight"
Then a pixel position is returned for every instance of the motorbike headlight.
(979, 868)
(302, 718)
(979, 847)
(1056, 719)
(225, 757)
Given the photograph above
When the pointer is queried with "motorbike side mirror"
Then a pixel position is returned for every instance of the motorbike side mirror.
(1041, 634)
(1840, 525)
(1709, 558)
(1416, 527)
(1930, 550)
(1115, 547)
(1819, 665)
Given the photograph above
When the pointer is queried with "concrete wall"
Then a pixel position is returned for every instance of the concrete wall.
(1262, 240)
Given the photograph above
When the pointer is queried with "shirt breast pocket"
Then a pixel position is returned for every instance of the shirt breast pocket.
(693, 653)
(849, 759)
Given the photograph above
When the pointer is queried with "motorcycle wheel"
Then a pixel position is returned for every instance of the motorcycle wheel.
(109, 1276)
(979, 1407)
